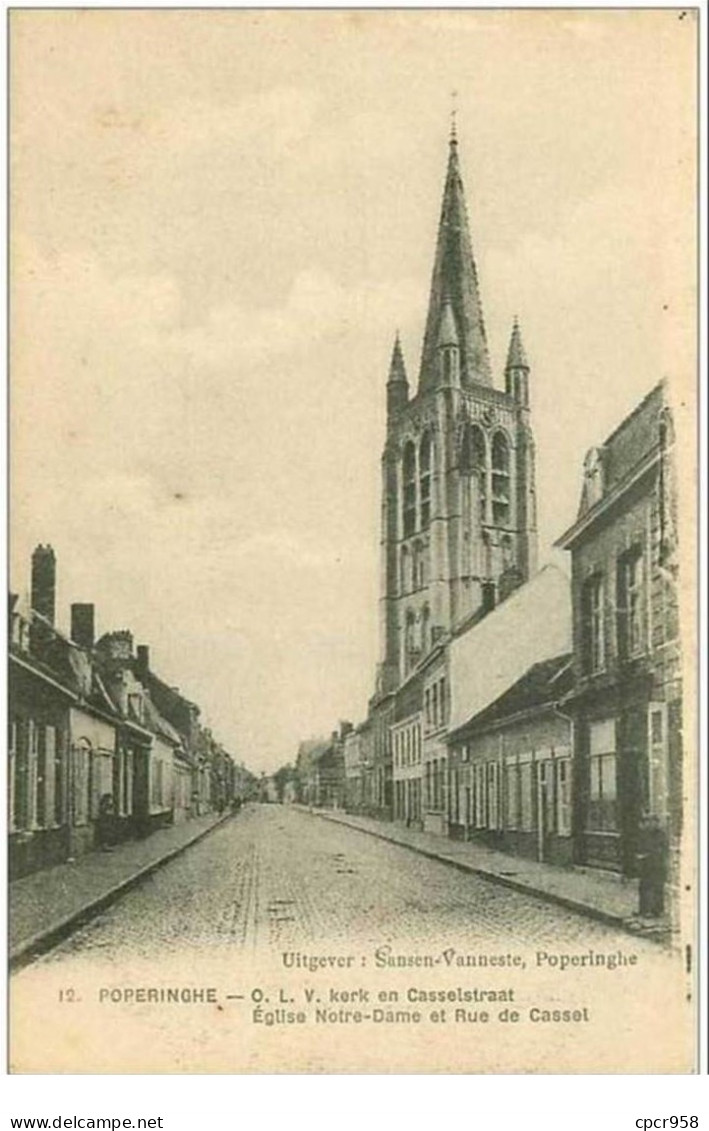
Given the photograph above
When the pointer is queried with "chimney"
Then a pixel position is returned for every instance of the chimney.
(488, 596)
(44, 582)
(82, 625)
(142, 655)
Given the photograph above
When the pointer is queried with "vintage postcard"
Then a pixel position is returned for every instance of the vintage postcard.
(353, 401)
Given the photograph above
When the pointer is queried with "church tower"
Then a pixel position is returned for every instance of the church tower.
(458, 476)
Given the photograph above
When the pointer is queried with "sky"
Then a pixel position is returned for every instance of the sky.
(220, 219)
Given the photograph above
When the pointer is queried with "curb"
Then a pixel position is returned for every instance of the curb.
(38, 944)
(608, 918)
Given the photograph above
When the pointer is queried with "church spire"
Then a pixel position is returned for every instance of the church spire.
(517, 367)
(455, 280)
(516, 357)
(397, 382)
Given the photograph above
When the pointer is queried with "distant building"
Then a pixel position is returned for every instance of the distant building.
(627, 702)
(100, 749)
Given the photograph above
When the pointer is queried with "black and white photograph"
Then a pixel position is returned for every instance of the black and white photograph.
(352, 647)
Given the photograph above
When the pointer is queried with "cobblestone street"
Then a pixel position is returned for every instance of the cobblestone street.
(280, 877)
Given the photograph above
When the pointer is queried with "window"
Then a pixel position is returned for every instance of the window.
(479, 783)
(526, 796)
(629, 597)
(512, 794)
(593, 477)
(135, 706)
(592, 625)
(82, 781)
(500, 480)
(32, 772)
(425, 479)
(492, 794)
(442, 700)
(409, 478)
(602, 806)
(59, 778)
(563, 796)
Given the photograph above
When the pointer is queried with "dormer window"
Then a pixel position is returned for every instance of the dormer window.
(593, 477)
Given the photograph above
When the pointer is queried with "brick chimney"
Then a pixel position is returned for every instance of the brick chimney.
(82, 625)
(142, 655)
(44, 582)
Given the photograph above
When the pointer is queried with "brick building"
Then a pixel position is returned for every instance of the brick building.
(627, 704)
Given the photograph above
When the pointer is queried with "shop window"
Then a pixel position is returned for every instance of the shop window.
(563, 796)
(603, 794)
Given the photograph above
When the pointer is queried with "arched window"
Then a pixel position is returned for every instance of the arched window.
(500, 480)
(473, 455)
(409, 500)
(425, 479)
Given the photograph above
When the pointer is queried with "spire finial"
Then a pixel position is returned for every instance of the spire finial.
(453, 140)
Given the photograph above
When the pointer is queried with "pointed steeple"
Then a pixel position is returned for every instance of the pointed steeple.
(517, 368)
(516, 357)
(397, 368)
(397, 382)
(455, 280)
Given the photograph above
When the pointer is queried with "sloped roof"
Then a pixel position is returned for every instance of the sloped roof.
(545, 682)
(532, 625)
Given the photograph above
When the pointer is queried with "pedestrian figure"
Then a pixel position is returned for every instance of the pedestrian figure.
(105, 822)
(652, 865)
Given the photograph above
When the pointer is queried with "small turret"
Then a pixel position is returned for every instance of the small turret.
(449, 347)
(517, 368)
(397, 382)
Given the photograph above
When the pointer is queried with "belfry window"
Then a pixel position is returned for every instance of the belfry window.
(425, 479)
(500, 480)
(473, 461)
(409, 478)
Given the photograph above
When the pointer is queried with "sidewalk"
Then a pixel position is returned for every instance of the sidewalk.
(603, 896)
(48, 905)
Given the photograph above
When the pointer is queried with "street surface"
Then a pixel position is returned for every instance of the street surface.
(279, 877)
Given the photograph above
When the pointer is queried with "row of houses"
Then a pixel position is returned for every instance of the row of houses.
(100, 748)
(549, 722)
